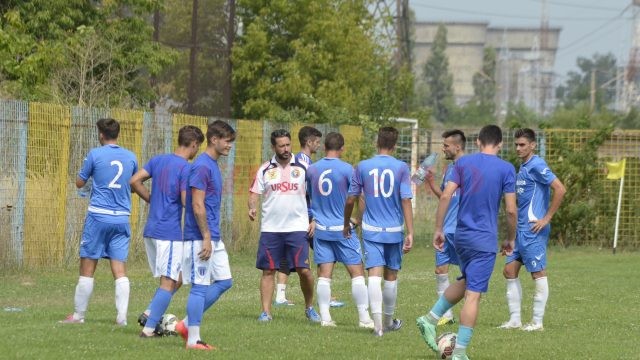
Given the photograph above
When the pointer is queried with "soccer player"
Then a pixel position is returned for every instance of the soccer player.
(205, 261)
(309, 138)
(106, 232)
(285, 222)
(484, 179)
(453, 145)
(163, 232)
(329, 179)
(385, 182)
(534, 216)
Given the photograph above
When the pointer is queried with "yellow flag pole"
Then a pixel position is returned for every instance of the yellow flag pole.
(615, 235)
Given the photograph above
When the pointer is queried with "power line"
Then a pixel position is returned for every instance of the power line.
(579, 6)
(509, 16)
(587, 35)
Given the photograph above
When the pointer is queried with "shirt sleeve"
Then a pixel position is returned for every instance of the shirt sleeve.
(405, 182)
(542, 174)
(258, 182)
(355, 188)
(199, 177)
(183, 182)
(149, 166)
(509, 182)
(87, 167)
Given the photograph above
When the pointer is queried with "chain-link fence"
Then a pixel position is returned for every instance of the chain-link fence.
(42, 147)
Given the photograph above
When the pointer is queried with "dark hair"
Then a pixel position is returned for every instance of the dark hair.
(334, 141)
(387, 137)
(278, 134)
(109, 128)
(490, 135)
(188, 134)
(526, 133)
(221, 130)
(306, 133)
(458, 135)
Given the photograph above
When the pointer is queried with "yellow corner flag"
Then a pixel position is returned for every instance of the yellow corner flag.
(616, 169)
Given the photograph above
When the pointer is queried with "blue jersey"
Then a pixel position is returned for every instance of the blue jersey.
(533, 191)
(304, 158)
(204, 175)
(385, 181)
(451, 217)
(170, 174)
(482, 179)
(111, 168)
(329, 179)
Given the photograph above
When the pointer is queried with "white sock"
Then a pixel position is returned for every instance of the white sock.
(194, 335)
(389, 295)
(84, 289)
(280, 292)
(514, 298)
(540, 299)
(442, 281)
(361, 298)
(122, 298)
(375, 299)
(323, 290)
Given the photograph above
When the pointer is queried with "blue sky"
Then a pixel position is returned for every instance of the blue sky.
(588, 26)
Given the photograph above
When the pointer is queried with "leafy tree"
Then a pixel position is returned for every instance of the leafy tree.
(313, 61)
(484, 84)
(577, 88)
(438, 79)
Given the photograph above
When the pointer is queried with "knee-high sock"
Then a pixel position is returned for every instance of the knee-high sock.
(514, 299)
(442, 281)
(281, 292)
(540, 299)
(463, 339)
(389, 296)
(439, 308)
(323, 290)
(158, 306)
(360, 298)
(84, 289)
(122, 298)
(195, 308)
(216, 290)
(375, 300)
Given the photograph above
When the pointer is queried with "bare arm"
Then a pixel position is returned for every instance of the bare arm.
(556, 199)
(443, 206)
(200, 213)
(136, 184)
(512, 218)
(348, 209)
(431, 184)
(253, 203)
(407, 211)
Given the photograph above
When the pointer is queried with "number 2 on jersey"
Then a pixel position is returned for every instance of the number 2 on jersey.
(113, 183)
(379, 182)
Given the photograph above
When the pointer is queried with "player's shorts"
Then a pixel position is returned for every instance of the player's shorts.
(203, 272)
(346, 251)
(104, 240)
(273, 246)
(476, 267)
(382, 254)
(531, 250)
(448, 254)
(165, 257)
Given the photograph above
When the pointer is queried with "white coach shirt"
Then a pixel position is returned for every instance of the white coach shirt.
(284, 205)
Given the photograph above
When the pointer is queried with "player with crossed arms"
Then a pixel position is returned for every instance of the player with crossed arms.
(330, 178)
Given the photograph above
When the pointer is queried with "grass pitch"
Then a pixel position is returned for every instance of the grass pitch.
(592, 313)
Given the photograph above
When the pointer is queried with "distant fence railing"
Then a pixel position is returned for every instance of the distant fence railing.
(42, 147)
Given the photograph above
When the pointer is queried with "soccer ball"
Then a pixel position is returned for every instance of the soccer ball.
(168, 324)
(446, 343)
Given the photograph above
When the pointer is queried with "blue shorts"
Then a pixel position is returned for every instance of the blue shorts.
(476, 267)
(448, 254)
(273, 246)
(104, 240)
(346, 251)
(531, 250)
(382, 254)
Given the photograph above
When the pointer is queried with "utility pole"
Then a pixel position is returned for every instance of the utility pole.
(592, 103)
(191, 91)
(230, 37)
(156, 38)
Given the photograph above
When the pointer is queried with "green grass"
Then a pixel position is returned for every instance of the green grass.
(592, 313)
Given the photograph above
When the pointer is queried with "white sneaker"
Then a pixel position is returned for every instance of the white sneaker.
(511, 325)
(328, 323)
(366, 324)
(378, 333)
(533, 327)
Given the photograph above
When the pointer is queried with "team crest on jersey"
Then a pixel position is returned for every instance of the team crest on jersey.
(202, 270)
(272, 174)
(295, 173)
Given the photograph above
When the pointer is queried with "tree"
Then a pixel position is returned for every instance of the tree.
(484, 84)
(577, 88)
(313, 61)
(438, 79)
